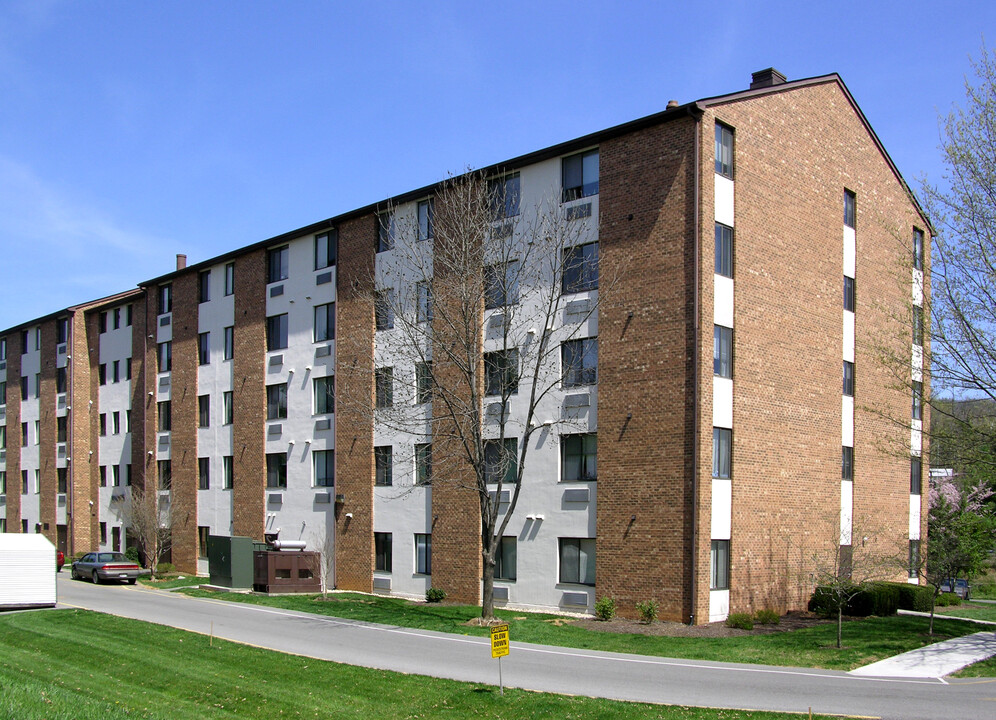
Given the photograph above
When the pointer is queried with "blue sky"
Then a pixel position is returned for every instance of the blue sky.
(130, 132)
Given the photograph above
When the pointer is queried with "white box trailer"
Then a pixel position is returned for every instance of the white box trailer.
(27, 571)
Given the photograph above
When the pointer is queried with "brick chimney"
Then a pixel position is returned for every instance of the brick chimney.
(181, 261)
(766, 78)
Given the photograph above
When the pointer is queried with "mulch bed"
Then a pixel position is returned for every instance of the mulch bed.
(790, 621)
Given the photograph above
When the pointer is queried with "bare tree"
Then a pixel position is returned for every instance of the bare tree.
(473, 297)
(151, 516)
(323, 563)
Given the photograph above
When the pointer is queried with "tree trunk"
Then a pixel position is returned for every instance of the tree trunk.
(488, 598)
(933, 604)
(840, 624)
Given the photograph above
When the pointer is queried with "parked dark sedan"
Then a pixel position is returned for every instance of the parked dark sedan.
(104, 566)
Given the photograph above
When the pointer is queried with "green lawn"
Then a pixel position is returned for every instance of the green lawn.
(80, 665)
(172, 582)
(976, 611)
(986, 668)
(866, 640)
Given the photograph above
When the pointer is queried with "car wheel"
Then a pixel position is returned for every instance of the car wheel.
(96, 578)
(74, 575)
(131, 581)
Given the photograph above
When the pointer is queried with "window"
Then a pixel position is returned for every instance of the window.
(103, 423)
(204, 286)
(848, 378)
(580, 270)
(501, 284)
(165, 416)
(37, 385)
(846, 463)
(324, 322)
(229, 279)
(165, 298)
(126, 473)
(324, 388)
(103, 533)
(116, 475)
(204, 411)
(423, 464)
(324, 468)
(276, 401)
(127, 421)
(278, 264)
(384, 385)
(3, 391)
(719, 565)
(102, 322)
(724, 250)
(24, 484)
(724, 151)
(62, 329)
(384, 309)
(917, 249)
(722, 351)
(384, 462)
(580, 175)
(916, 475)
(423, 312)
(3, 348)
(501, 461)
(227, 471)
(505, 559)
(385, 231)
(24, 387)
(501, 372)
(580, 362)
(128, 312)
(3, 481)
(423, 383)
(204, 473)
(24, 434)
(24, 342)
(203, 533)
(116, 371)
(382, 552)
(127, 368)
(425, 219)
(722, 446)
(325, 249)
(164, 356)
(914, 565)
(577, 560)
(578, 457)
(116, 422)
(165, 474)
(63, 480)
(917, 400)
(276, 470)
(276, 332)
(102, 373)
(3, 437)
(229, 342)
(204, 348)
(62, 429)
(848, 293)
(917, 325)
(503, 193)
(423, 554)
(850, 209)
(227, 407)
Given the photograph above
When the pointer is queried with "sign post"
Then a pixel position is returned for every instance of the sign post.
(499, 648)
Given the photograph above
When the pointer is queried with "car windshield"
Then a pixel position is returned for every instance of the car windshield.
(111, 557)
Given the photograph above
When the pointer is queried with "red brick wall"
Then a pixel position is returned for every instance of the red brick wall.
(184, 409)
(47, 427)
(645, 398)
(249, 397)
(354, 469)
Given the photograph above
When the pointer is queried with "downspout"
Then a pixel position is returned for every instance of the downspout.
(696, 113)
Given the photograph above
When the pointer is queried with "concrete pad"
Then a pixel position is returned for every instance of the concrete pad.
(935, 660)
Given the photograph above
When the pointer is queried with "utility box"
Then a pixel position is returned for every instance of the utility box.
(287, 572)
(27, 571)
(230, 561)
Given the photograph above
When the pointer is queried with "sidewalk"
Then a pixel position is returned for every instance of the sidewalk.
(937, 660)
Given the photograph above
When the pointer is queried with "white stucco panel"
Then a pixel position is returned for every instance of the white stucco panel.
(849, 252)
(847, 421)
(722, 299)
(719, 605)
(846, 511)
(915, 517)
(918, 287)
(722, 503)
(848, 336)
(724, 200)
(722, 402)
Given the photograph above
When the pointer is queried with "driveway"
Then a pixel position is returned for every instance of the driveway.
(543, 668)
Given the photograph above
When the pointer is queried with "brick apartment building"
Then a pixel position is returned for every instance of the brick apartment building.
(762, 246)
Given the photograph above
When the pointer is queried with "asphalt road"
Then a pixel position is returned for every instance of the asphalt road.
(544, 668)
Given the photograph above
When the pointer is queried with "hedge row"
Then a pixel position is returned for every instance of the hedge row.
(877, 598)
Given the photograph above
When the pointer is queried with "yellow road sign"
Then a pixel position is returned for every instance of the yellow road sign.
(499, 641)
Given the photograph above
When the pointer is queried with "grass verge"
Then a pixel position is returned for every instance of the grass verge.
(975, 611)
(168, 583)
(866, 640)
(985, 668)
(81, 665)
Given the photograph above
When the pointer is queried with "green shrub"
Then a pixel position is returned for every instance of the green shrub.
(767, 617)
(947, 599)
(914, 597)
(744, 621)
(824, 601)
(165, 568)
(605, 609)
(132, 554)
(435, 595)
(647, 610)
(877, 598)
